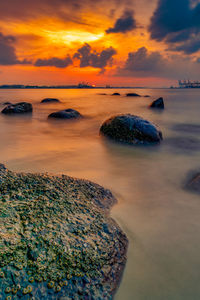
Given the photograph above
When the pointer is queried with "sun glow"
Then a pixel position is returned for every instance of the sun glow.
(68, 37)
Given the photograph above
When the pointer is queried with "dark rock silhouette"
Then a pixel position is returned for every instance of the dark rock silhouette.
(147, 96)
(132, 95)
(50, 100)
(18, 108)
(7, 103)
(65, 114)
(194, 183)
(159, 103)
(130, 129)
(116, 94)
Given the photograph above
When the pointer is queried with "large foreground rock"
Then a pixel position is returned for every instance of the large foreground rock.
(18, 108)
(65, 114)
(50, 100)
(159, 103)
(57, 240)
(131, 129)
(194, 183)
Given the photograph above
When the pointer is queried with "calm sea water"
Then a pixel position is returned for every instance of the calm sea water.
(160, 218)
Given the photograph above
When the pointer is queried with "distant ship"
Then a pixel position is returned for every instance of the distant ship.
(188, 84)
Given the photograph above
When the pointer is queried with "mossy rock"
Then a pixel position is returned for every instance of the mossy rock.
(57, 240)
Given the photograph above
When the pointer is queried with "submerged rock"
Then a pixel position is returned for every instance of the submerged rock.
(65, 114)
(116, 94)
(132, 95)
(183, 144)
(187, 128)
(159, 103)
(50, 100)
(194, 183)
(131, 129)
(18, 108)
(57, 239)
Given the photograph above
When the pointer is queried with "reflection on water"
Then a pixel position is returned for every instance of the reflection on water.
(160, 218)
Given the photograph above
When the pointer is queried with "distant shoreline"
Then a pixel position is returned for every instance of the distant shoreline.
(18, 87)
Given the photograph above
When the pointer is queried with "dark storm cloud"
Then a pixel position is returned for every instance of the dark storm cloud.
(95, 59)
(85, 55)
(125, 23)
(54, 62)
(7, 51)
(143, 63)
(190, 46)
(177, 22)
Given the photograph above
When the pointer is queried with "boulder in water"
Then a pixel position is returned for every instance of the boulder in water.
(116, 94)
(50, 100)
(194, 183)
(159, 103)
(131, 129)
(18, 108)
(7, 103)
(132, 95)
(65, 114)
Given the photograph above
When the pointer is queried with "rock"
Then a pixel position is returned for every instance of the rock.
(18, 108)
(7, 103)
(58, 240)
(194, 183)
(131, 129)
(116, 94)
(132, 95)
(147, 96)
(50, 100)
(159, 103)
(65, 114)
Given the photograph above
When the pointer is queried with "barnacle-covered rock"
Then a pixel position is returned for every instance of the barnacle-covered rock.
(57, 240)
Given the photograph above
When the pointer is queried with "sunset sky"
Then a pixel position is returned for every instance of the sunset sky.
(130, 42)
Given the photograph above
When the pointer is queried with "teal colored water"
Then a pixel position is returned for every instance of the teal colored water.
(160, 218)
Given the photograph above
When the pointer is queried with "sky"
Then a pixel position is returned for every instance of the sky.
(115, 42)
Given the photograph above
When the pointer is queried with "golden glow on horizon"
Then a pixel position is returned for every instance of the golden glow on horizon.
(44, 37)
(67, 37)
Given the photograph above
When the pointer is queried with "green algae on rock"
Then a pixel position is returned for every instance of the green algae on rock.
(57, 240)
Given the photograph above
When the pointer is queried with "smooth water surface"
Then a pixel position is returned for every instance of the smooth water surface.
(160, 218)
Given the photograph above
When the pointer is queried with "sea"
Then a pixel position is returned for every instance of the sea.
(159, 216)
